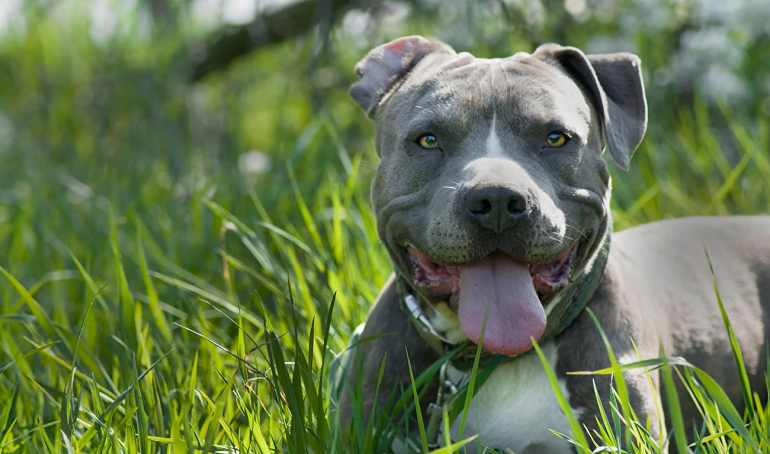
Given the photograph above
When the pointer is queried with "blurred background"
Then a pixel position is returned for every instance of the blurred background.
(172, 165)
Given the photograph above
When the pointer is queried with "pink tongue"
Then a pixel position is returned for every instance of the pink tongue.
(515, 312)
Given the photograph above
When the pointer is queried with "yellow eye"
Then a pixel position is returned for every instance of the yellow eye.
(556, 139)
(428, 141)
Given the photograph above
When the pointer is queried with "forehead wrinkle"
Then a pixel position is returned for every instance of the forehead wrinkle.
(435, 106)
(555, 80)
(570, 107)
(473, 101)
(508, 83)
(574, 93)
(430, 117)
(523, 64)
(500, 86)
(436, 96)
(533, 95)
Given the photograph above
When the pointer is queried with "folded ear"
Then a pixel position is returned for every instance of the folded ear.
(614, 84)
(387, 65)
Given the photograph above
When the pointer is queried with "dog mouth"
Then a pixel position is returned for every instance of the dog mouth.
(444, 281)
(496, 295)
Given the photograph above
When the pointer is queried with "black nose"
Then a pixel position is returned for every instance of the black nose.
(496, 208)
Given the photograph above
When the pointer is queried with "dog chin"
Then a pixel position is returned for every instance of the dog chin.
(442, 283)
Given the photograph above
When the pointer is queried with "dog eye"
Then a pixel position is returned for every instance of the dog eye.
(556, 139)
(428, 142)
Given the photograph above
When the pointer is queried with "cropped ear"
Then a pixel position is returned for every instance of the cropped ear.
(614, 84)
(387, 65)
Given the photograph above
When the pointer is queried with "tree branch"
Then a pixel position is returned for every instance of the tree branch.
(271, 26)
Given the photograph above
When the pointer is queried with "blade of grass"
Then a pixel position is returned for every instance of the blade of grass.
(674, 410)
(744, 378)
(418, 410)
(617, 373)
(577, 430)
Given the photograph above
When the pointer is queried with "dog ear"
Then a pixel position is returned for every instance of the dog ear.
(387, 65)
(614, 83)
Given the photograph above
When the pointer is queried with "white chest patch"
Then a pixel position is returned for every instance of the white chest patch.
(515, 409)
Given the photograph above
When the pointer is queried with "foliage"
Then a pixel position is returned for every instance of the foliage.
(170, 252)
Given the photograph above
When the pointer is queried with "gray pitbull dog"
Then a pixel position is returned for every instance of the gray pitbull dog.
(492, 199)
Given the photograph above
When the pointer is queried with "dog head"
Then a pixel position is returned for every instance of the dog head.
(491, 194)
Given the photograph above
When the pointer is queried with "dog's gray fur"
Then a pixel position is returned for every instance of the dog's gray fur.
(656, 289)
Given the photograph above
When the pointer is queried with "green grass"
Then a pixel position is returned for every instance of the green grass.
(154, 297)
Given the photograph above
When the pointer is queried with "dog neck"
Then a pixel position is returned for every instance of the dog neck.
(562, 308)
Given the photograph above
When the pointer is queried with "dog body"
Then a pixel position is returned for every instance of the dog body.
(493, 201)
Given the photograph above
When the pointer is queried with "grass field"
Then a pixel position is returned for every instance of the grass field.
(171, 253)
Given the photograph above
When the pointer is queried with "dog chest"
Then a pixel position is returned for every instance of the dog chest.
(516, 407)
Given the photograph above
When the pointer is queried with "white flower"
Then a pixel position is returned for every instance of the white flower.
(253, 162)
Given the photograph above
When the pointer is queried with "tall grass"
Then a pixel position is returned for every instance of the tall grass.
(156, 296)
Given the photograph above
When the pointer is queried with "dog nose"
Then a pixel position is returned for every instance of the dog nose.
(496, 208)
